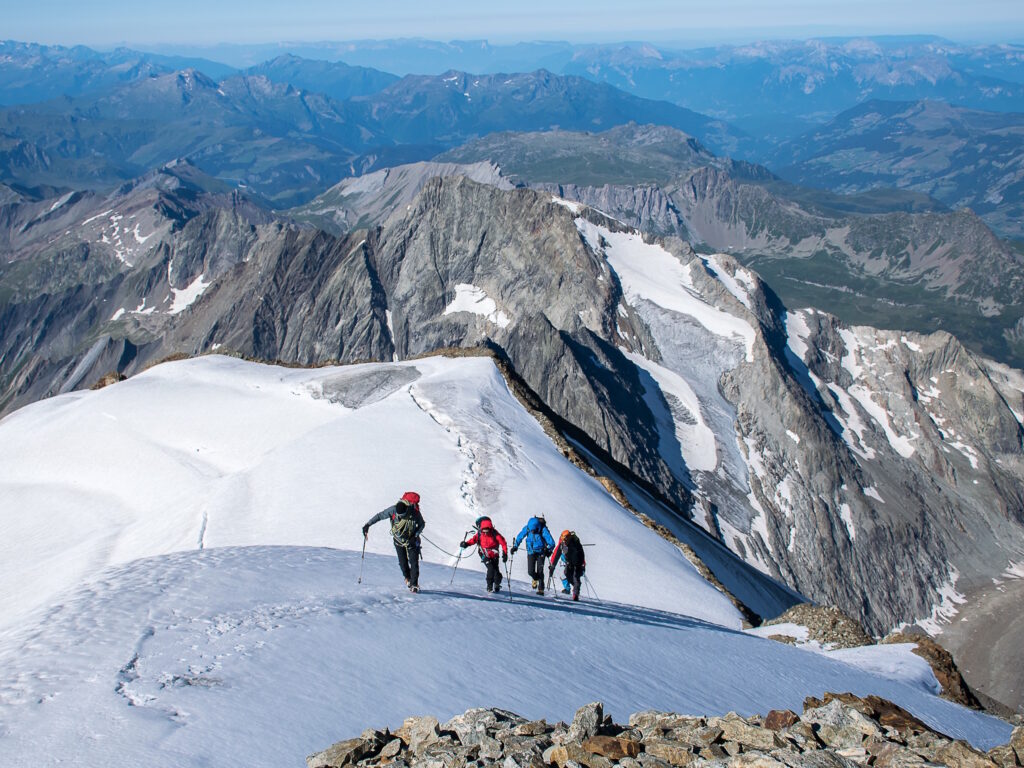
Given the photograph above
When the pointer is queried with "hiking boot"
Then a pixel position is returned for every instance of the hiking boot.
(534, 583)
(575, 598)
(413, 588)
(565, 591)
(540, 592)
(490, 588)
(497, 587)
(407, 583)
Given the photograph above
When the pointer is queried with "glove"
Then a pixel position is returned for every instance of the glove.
(366, 530)
(504, 557)
(514, 548)
(463, 545)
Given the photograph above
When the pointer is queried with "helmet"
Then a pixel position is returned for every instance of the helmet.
(565, 535)
(411, 497)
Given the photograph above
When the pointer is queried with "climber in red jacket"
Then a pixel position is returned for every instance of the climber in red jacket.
(487, 540)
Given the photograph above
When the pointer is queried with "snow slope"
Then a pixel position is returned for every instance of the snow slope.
(259, 656)
(179, 558)
(220, 452)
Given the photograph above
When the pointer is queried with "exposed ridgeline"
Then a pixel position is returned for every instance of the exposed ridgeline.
(914, 270)
(885, 257)
(874, 470)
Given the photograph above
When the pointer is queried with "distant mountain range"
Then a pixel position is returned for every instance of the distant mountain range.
(965, 158)
(31, 73)
(775, 88)
(335, 79)
(288, 144)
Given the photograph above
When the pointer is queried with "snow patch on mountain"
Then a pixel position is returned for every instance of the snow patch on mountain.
(846, 515)
(695, 437)
(851, 425)
(186, 297)
(573, 207)
(469, 298)
(900, 443)
(947, 607)
(739, 285)
(648, 271)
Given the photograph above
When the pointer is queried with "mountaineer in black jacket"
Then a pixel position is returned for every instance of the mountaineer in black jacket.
(571, 551)
(406, 524)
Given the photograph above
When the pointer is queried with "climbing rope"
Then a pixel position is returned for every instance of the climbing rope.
(437, 547)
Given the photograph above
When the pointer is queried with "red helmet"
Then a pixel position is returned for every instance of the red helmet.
(564, 536)
(411, 497)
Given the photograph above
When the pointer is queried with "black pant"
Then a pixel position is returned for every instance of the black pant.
(409, 562)
(493, 572)
(535, 567)
(574, 575)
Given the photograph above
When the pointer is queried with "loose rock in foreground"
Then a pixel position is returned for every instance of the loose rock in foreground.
(838, 731)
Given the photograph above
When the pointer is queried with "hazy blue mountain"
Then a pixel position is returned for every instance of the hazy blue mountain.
(454, 107)
(335, 79)
(782, 88)
(31, 73)
(777, 89)
(965, 158)
(287, 145)
(773, 90)
(405, 56)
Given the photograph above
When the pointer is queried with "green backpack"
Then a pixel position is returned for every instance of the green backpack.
(403, 524)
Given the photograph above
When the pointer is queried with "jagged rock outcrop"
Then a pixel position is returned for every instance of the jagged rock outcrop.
(842, 730)
(825, 624)
(364, 201)
(944, 668)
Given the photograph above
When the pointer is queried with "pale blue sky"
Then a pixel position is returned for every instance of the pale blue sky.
(249, 21)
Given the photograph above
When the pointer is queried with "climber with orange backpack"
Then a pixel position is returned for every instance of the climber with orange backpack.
(488, 540)
(570, 549)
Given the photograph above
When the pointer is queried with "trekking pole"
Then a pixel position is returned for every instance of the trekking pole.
(590, 587)
(361, 558)
(508, 576)
(462, 551)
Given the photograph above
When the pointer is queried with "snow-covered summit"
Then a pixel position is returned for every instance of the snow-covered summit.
(178, 574)
(217, 452)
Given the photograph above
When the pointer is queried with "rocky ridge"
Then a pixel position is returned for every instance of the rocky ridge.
(839, 731)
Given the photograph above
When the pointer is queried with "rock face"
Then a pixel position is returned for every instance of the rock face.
(878, 471)
(840, 731)
(911, 269)
(939, 659)
(366, 200)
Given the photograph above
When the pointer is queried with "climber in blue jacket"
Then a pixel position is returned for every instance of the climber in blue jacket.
(539, 544)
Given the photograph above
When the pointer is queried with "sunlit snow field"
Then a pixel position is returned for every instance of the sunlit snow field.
(179, 557)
